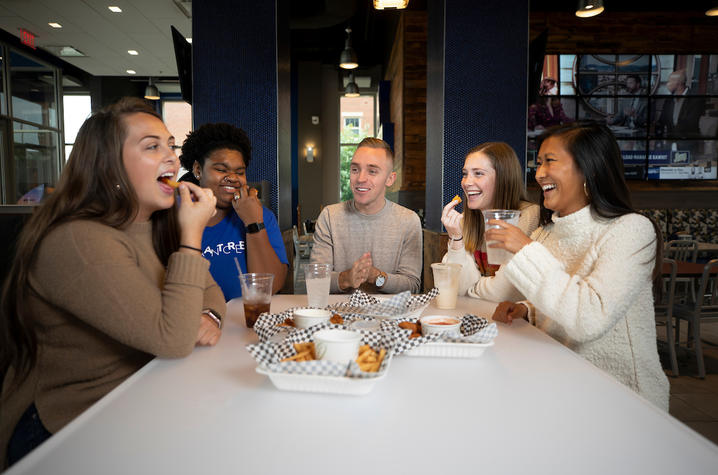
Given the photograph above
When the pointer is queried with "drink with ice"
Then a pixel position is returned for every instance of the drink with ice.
(317, 278)
(446, 279)
(256, 295)
(499, 256)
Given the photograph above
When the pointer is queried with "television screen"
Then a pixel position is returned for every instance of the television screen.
(183, 56)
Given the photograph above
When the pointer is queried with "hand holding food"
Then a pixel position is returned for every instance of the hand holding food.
(192, 216)
(452, 220)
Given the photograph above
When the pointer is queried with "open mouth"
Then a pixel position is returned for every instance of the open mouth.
(548, 187)
(167, 182)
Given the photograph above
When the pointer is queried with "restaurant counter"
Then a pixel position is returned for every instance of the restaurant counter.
(527, 405)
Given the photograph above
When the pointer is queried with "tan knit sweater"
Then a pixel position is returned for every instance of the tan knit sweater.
(103, 305)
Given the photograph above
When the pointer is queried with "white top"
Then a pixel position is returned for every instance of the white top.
(590, 280)
(470, 275)
(527, 405)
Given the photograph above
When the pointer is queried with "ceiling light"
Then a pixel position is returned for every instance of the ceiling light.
(55, 25)
(589, 8)
(348, 58)
(131, 71)
(151, 92)
(352, 90)
(712, 11)
(189, 40)
(390, 4)
(133, 52)
(115, 9)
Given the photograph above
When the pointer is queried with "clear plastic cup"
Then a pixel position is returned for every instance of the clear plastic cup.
(256, 295)
(446, 279)
(317, 278)
(499, 256)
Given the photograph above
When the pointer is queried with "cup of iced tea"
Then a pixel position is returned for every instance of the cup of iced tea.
(499, 256)
(256, 295)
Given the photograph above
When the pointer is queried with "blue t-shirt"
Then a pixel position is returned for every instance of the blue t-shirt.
(225, 240)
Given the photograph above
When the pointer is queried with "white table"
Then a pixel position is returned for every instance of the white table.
(527, 405)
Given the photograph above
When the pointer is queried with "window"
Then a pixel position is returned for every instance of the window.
(662, 109)
(177, 116)
(357, 123)
(76, 109)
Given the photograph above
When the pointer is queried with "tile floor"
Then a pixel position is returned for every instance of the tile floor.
(694, 401)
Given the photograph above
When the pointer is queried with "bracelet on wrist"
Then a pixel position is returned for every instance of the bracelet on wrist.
(190, 247)
(457, 239)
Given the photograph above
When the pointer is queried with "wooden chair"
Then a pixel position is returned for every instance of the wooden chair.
(704, 309)
(687, 251)
(663, 305)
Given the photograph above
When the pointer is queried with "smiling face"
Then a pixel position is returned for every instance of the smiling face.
(560, 178)
(370, 173)
(224, 172)
(478, 181)
(148, 155)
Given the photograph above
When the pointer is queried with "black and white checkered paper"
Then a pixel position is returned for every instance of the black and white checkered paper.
(473, 330)
(403, 303)
(269, 355)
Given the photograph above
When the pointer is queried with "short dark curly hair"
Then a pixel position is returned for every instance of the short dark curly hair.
(210, 137)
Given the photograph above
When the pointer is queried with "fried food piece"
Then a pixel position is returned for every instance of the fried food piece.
(337, 319)
(305, 352)
(169, 182)
(457, 198)
(414, 335)
(414, 327)
(369, 360)
(288, 322)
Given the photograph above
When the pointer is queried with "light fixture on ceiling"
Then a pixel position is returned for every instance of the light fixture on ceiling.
(115, 9)
(151, 92)
(131, 71)
(390, 4)
(55, 24)
(352, 90)
(712, 11)
(589, 8)
(348, 58)
(132, 52)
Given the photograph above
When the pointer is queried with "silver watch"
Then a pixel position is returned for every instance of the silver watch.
(380, 279)
(216, 317)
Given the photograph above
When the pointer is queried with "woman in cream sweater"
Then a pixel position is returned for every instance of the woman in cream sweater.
(108, 274)
(491, 179)
(586, 274)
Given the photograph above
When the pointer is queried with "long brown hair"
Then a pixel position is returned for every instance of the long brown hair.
(509, 190)
(594, 149)
(94, 185)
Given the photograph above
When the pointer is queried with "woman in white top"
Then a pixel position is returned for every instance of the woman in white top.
(491, 179)
(587, 272)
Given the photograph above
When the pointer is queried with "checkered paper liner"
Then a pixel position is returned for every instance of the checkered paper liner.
(473, 330)
(267, 326)
(269, 356)
(397, 306)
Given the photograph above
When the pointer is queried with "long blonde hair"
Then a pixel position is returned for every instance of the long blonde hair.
(509, 190)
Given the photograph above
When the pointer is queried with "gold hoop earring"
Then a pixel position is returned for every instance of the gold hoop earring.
(585, 190)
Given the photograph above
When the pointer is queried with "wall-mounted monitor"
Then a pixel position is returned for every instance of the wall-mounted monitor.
(183, 56)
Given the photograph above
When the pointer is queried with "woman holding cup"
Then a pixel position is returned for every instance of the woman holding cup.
(491, 179)
(587, 272)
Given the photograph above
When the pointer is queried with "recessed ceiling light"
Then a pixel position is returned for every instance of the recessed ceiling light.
(131, 71)
(133, 52)
(55, 25)
(189, 40)
(115, 9)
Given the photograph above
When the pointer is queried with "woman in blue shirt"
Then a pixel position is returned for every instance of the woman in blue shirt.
(218, 156)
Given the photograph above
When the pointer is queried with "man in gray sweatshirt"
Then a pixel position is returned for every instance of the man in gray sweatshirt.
(372, 243)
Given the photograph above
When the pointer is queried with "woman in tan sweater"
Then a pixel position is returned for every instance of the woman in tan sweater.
(108, 274)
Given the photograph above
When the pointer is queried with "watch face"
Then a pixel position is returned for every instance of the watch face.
(380, 280)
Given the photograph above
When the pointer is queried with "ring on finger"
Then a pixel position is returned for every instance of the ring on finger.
(236, 197)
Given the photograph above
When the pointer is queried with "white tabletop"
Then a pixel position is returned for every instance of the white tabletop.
(527, 405)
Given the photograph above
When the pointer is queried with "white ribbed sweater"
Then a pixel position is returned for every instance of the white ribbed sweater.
(589, 280)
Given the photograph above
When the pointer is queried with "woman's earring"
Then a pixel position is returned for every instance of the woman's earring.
(585, 190)
(117, 187)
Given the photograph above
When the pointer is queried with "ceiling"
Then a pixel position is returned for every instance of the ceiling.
(317, 29)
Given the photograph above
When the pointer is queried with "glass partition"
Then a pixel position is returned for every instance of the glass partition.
(35, 165)
(34, 91)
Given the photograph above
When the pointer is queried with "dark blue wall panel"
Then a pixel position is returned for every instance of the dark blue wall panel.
(234, 76)
(483, 91)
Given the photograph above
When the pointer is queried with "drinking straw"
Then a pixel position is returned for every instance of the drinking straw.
(239, 268)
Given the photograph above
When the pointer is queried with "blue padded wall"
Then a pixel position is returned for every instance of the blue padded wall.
(234, 76)
(481, 86)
